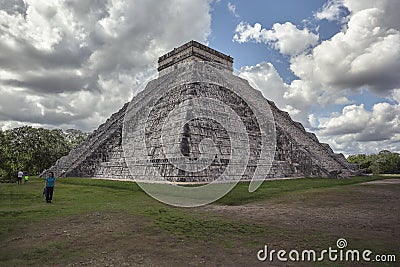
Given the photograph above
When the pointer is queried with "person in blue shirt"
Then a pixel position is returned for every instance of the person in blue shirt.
(50, 182)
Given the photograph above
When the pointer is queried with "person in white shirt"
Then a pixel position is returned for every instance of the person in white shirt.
(20, 174)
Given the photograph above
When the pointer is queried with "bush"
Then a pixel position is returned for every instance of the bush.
(385, 162)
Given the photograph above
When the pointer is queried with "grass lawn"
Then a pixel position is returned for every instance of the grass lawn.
(101, 222)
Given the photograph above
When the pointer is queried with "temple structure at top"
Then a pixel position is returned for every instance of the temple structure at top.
(190, 51)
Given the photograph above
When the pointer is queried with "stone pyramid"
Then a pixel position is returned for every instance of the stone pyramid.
(199, 122)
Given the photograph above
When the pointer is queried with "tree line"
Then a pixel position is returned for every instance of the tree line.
(32, 150)
(385, 162)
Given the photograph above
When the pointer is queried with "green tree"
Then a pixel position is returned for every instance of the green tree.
(388, 162)
(364, 161)
(75, 137)
(33, 150)
(384, 162)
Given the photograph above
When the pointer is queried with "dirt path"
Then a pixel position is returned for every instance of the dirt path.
(384, 182)
(355, 205)
(360, 212)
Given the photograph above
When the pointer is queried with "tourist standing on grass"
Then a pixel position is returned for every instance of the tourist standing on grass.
(20, 174)
(50, 182)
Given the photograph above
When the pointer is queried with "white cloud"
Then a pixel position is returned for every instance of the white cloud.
(232, 9)
(396, 95)
(245, 32)
(72, 63)
(286, 38)
(357, 128)
(364, 55)
(265, 78)
(313, 121)
(352, 120)
(332, 10)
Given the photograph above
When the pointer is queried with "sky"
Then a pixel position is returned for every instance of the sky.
(334, 65)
